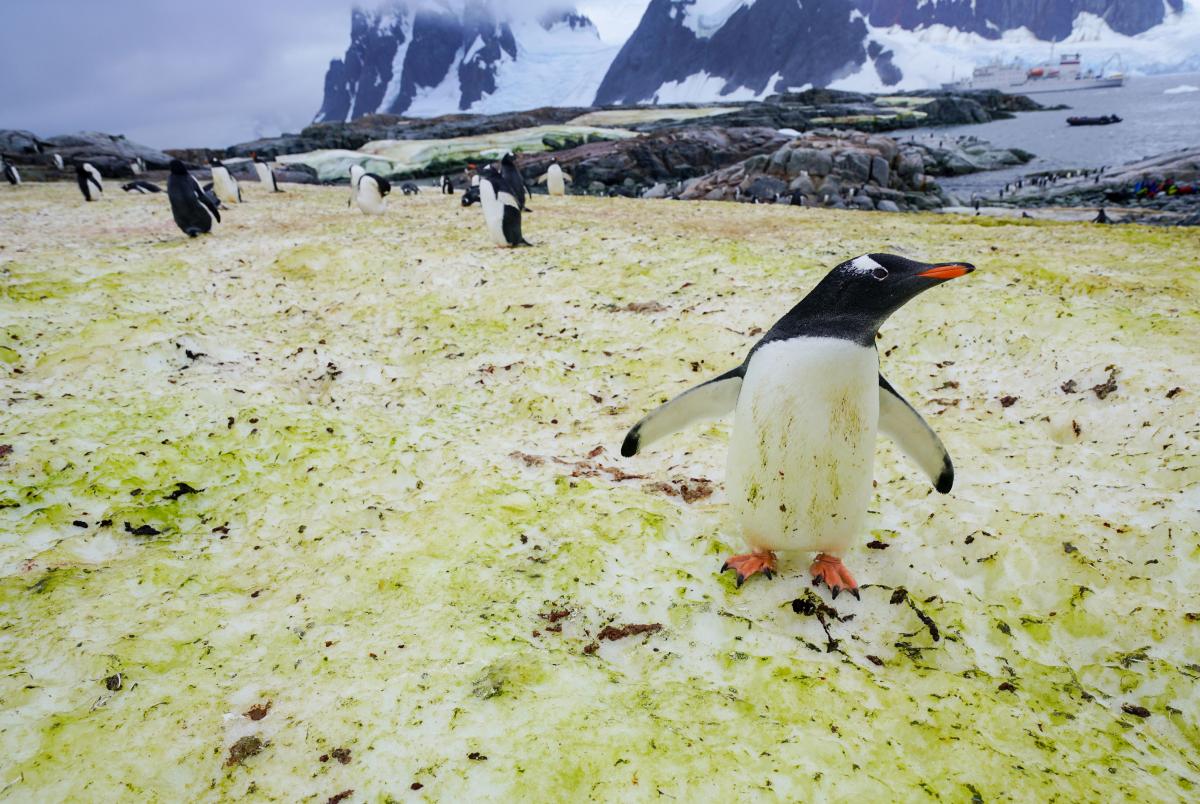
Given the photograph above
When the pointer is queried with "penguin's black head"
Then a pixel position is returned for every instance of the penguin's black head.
(177, 168)
(872, 287)
(215, 162)
(509, 160)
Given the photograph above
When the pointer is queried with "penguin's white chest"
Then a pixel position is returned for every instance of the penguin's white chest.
(493, 212)
(801, 456)
(555, 184)
(224, 186)
(369, 199)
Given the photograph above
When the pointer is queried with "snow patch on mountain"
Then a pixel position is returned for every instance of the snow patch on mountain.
(561, 65)
(702, 86)
(705, 17)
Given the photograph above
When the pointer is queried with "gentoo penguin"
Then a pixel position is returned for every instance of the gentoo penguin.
(447, 186)
(372, 194)
(356, 173)
(11, 173)
(556, 180)
(265, 175)
(57, 161)
(141, 186)
(224, 184)
(508, 169)
(501, 210)
(89, 182)
(137, 167)
(192, 208)
(471, 196)
(807, 402)
(409, 188)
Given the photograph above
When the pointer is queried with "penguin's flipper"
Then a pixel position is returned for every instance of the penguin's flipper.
(203, 197)
(542, 178)
(916, 439)
(714, 398)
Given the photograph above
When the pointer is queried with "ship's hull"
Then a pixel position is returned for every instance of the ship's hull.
(1039, 85)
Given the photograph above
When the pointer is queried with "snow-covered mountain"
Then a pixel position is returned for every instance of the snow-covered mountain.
(431, 57)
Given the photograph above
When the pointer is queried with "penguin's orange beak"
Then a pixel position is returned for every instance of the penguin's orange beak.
(948, 270)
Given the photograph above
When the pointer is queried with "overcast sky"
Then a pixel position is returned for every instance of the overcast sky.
(170, 74)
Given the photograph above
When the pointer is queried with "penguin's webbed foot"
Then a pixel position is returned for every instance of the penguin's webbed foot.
(746, 565)
(832, 572)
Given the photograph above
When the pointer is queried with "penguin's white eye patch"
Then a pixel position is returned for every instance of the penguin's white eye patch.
(880, 273)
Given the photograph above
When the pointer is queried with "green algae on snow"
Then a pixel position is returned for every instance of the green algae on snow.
(393, 431)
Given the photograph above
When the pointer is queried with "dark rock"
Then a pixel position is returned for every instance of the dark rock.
(111, 154)
(15, 142)
(662, 157)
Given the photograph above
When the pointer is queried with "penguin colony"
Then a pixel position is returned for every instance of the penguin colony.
(808, 400)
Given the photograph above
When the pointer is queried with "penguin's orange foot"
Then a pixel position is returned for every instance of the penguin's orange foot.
(832, 572)
(746, 565)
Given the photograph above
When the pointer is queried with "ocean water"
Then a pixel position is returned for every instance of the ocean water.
(1154, 121)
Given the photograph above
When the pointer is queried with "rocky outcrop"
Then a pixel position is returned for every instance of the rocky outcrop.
(668, 156)
(16, 143)
(1051, 21)
(111, 154)
(357, 133)
(817, 108)
(830, 167)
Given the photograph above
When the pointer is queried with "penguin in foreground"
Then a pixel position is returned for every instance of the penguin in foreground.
(808, 401)
(508, 169)
(501, 209)
(141, 186)
(224, 184)
(265, 174)
(11, 173)
(89, 182)
(193, 209)
(555, 179)
(372, 194)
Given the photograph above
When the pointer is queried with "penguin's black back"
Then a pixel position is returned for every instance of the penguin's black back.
(190, 213)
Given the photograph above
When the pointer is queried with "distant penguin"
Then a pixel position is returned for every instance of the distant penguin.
(808, 401)
(556, 180)
(57, 161)
(137, 167)
(193, 209)
(11, 173)
(89, 182)
(356, 173)
(447, 186)
(224, 184)
(372, 194)
(409, 188)
(265, 175)
(516, 182)
(140, 186)
(501, 209)
(797, 198)
(471, 196)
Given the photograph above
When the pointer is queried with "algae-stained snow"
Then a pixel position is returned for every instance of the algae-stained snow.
(408, 156)
(365, 552)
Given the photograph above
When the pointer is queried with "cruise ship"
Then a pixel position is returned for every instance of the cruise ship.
(1067, 76)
